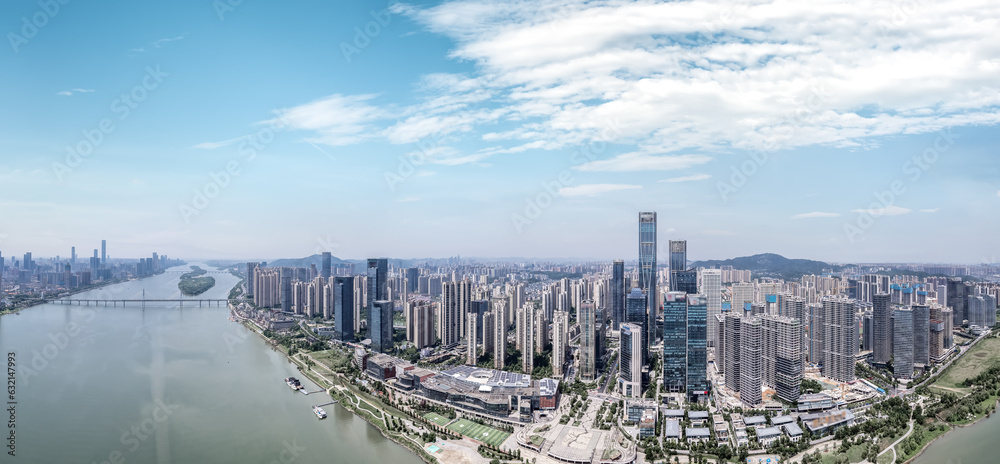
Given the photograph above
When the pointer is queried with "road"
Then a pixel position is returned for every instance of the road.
(893, 446)
(611, 375)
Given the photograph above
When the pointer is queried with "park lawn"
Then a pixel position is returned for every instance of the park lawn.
(479, 432)
(984, 355)
(855, 454)
(437, 419)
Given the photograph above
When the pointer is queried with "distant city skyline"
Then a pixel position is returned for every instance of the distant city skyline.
(464, 129)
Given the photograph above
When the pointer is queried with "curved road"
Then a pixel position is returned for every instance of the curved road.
(893, 446)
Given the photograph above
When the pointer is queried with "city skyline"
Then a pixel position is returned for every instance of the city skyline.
(807, 146)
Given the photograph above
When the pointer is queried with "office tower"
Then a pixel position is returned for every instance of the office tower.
(617, 293)
(250, 273)
(377, 273)
(412, 279)
(541, 332)
(840, 345)
(286, 289)
(501, 323)
(882, 328)
(742, 295)
(635, 312)
(104, 253)
(343, 308)
(678, 262)
(380, 326)
(711, 287)
(990, 307)
(559, 342)
(526, 335)
(588, 341)
(674, 341)
(72, 256)
(782, 355)
(751, 375)
(731, 353)
(957, 300)
(449, 328)
(630, 361)
(28, 263)
(648, 272)
(902, 362)
(867, 330)
(326, 265)
(697, 386)
(472, 341)
(420, 328)
(921, 334)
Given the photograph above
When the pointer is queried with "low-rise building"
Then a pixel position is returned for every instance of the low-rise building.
(815, 402)
(826, 422)
(793, 431)
(741, 438)
(647, 424)
(696, 434)
(698, 417)
(768, 435)
(755, 421)
(490, 392)
(672, 429)
(782, 420)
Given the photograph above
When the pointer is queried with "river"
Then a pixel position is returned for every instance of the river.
(168, 383)
(964, 445)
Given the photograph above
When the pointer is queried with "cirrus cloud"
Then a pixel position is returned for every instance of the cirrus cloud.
(590, 190)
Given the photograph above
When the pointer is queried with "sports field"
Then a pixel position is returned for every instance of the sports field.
(437, 419)
(479, 432)
(985, 354)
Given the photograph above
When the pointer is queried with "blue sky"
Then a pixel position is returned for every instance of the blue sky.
(501, 129)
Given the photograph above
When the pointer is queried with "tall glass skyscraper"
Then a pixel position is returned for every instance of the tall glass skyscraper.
(378, 289)
(343, 308)
(617, 293)
(647, 271)
(380, 326)
(678, 262)
(675, 341)
(635, 312)
(326, 264)
(697, 348)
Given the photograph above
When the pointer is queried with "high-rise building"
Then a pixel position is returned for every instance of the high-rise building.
(816, 333)
(286, 289)
(327, 262)
(674, 341)
(648, 272)
(104, 253)
(472, 341)
(343, 308)
(731, 352)
(501, 324)
(420, 324)
(617, 293)
(635, 312)
(742, 295)
(560, 322)
(840, 339)
(380, 326)
(526, 334)
(449, 320)
(751, 374)
(412, 279)
(630, 361)
(711, 287)
(902, 362)
(921, 334)
(882, 328)
(588, 341)
(781, 353)
(72, 256)
(678, 262)
(698, 385)
(376, 281)
(957, 300)
(541, 331)
(489, 331)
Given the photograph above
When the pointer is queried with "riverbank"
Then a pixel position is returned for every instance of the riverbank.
(41, 301)
(340, 389)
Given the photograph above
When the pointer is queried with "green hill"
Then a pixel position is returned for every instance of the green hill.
(773, 265)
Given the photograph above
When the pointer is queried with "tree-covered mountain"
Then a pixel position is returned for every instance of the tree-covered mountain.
(772, 265)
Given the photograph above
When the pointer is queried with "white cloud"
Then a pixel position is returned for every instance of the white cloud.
(337, 119)
(930, 210)
(644, 162)
(998, 193)
(892, 210)
(158, 43)
(219, 144)
(815, 214)
(71, 92)
(692, 178)
(590, 190)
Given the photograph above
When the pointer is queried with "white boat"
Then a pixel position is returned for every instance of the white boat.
(293, 383)
(320, 413)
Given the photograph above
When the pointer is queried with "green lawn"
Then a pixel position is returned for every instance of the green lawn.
(436, 419)
(985, 354)
(479, 432)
